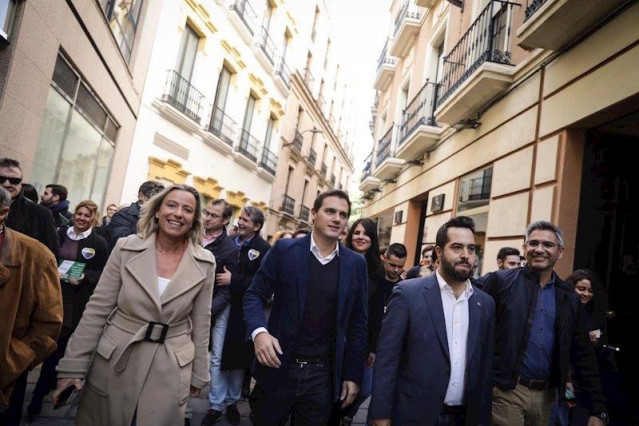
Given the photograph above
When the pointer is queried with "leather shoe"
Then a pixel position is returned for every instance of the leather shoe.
(211, 418)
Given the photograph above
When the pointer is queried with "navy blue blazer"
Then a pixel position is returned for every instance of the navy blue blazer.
(285, 272)
(412, 361)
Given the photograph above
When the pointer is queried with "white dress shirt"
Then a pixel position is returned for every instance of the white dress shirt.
(77, 237)
(456, 315)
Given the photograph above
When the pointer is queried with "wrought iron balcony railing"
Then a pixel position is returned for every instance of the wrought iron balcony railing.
(298, 141)
(312, 157)
(532, 7)
(408, 10)
(366, 171)
(182, 95)
(284, 72)
(384, 58)
(222, 126)
(488, 39)
(267, 45)
(288, 205)
(419, 111)
(384, 146)
(269, 161)
(247, 14)
(305, 213)
(249, 146)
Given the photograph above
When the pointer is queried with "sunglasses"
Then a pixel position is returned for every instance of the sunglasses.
(12, 180)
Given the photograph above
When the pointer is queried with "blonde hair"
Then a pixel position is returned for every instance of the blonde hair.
(91, 207)
(281, 234)
(148, 224)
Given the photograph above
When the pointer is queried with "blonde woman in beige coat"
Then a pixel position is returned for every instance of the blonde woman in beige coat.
(141, 347)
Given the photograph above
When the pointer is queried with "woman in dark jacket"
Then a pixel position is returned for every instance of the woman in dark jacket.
(362, 238)
(78, 243)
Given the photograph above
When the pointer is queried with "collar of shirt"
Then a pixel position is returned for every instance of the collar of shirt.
(240, 243)
(316, 252)
(443, 286)
(77, 237)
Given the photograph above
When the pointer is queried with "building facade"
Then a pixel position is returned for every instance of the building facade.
(319, 127)
(71, 78)
(508, 112)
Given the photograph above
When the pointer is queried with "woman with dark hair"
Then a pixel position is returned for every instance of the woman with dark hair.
(593, 298)
(141, 347)
(81, 244)
(362, 238)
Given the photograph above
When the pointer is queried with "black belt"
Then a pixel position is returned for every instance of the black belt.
(453, 409)
(534, 384)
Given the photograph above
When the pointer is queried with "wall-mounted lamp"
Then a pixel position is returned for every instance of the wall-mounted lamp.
(313, 130)
(467, 123)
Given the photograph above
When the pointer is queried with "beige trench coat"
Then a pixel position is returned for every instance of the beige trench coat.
(123, 371)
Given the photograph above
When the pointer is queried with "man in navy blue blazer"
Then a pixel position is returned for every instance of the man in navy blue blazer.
(433, 364)
(310, 353)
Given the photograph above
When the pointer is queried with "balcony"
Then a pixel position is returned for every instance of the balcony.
(478, 67)
(385, 69)
(249, 146)
(368, 182)
(386, 165)
(552, 24)
(288, 205)
(284, 73)
(419, 130)
(474, 189)
(312, 157)
(269, 161)
(183, 96)
(247, 15)
(267, 45)
(407, 26)
(305, 214)
(222, 126)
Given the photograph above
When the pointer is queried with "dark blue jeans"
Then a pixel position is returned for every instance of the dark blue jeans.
(305, 395)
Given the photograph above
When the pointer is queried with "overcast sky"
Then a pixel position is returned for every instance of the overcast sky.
(363, 25)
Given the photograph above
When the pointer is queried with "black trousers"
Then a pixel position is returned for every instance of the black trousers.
(13, 415)
(305, 396)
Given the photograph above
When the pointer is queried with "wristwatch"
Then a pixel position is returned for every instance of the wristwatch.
(603, 416)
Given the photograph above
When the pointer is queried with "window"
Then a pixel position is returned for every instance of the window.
(7, 11)
(123, 17)
(221, 124)
(249, 146)
(77, 139)
(270, 128)
(188, 51)
(474, 189)
(315, 19)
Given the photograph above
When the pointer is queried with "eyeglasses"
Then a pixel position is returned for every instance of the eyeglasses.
(545, 244)
(213, 215)
(12, 180)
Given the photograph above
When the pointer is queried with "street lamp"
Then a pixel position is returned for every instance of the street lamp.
(313, 130)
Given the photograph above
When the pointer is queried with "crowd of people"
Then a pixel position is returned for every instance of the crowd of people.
(139, 310)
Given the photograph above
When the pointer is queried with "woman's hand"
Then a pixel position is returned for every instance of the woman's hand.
(76, 281)
(65, 383)
(194, 392)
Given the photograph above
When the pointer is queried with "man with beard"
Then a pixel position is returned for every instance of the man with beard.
(54, 198)
(434, 358)
(540, 337)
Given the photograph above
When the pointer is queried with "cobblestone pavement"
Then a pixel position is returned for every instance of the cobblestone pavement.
(200, 405)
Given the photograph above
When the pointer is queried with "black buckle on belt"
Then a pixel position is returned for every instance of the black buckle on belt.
(149, 332)
(534, 384)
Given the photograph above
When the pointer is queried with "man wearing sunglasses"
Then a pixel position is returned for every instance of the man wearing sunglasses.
(25, 216)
